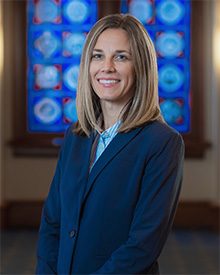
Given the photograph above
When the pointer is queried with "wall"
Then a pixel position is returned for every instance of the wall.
(22, 178)
(26, 179)
(202, 177)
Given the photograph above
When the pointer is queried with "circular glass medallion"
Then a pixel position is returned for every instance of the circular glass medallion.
(74, 43)
(69, 110)
(170, 12)
(70, 77)
(46, 11)
(170, 110)
(76, 11)
(47, 44)
(170, 44)
(171, 78)
(142, 10)
(47, 77)
(47, 110)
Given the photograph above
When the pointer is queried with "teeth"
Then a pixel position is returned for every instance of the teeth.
(107, 81)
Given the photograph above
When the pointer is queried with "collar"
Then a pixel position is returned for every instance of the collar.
(111, 131)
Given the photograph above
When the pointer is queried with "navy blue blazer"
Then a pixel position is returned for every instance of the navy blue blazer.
(115, 219)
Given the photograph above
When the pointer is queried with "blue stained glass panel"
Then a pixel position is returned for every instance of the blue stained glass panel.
(47, 44)
(76, 11)
(170, 12)
(170, 44)
(73, 43)
(47, 77)
(56, 32)
(143, 10)
(168, 24)
(70, 77)
(171, 110)
(47, 110)
(47, 11)
(171, 78)
(69, 110)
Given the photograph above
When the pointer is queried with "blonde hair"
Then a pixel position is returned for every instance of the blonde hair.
(144, 106)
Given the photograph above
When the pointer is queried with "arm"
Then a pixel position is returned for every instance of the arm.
(49, 232)
(155, 209)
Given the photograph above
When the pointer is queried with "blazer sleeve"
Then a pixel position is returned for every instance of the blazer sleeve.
(49, 232)
(48, 243)
(155, 209)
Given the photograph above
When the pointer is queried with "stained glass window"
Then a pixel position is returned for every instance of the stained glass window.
(56, 32)
(168, 24)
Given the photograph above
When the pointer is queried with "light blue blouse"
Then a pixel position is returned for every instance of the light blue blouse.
(104, 139)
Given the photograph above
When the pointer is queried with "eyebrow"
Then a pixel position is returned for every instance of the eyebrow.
(117, 51)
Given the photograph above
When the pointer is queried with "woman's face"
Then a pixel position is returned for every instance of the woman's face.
(111, 68)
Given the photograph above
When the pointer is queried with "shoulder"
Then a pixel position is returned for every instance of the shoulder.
(71, 140)
(158, 130)
(69, 134)
(159, 135)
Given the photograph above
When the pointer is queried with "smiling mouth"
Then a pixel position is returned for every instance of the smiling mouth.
(105, 81)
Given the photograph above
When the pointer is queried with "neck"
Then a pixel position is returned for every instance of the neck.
(111, 114)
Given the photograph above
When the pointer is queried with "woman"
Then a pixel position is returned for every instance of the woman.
(118, 178)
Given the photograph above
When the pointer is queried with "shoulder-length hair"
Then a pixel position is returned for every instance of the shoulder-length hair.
(144, 105)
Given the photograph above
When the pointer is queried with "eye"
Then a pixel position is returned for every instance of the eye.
(121, 57)
(96, 56)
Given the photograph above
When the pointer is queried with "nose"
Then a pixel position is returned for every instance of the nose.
(108, 66)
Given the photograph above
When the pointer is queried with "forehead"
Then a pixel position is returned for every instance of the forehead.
(113, 38)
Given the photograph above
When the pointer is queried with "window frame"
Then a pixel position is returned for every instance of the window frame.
(45, 144)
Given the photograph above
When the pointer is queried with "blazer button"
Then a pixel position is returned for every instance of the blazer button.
(72, 233)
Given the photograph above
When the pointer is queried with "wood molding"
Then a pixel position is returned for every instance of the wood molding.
(189, 215)
(25, 143)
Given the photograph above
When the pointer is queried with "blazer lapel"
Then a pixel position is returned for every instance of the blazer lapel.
(78, 167)
(115, 146)
(84, 174)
